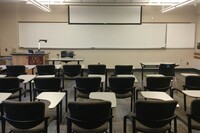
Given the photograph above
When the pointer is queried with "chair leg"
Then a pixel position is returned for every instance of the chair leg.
(185, 104)
(124, 124)
(189, 125)
(175, 125)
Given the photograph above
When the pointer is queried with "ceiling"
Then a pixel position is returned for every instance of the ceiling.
(106, 2)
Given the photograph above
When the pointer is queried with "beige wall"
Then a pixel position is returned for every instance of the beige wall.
(11, 14)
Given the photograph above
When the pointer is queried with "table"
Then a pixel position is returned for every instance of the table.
(4, 96)
(152, 65)
(154, 75)
(106, 96)
(55, 99)
(67, 59)
(27, 79)
(128, 75)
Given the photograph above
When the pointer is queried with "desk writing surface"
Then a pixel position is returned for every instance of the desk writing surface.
(107, 96)
(53, 97)
(26, 78)
(103, 77)
(2, 76)
(128, 75)
(156, 95)
(65, 59)
(4, 96)
(192, 93)
(189, 74)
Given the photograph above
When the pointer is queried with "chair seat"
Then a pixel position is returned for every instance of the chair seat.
(16, 94)
(40, 127)
(126, 95)
(82, 95)
(146, 129)
(181, 115)
(100, 129)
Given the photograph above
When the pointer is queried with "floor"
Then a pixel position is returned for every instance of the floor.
(123, 107)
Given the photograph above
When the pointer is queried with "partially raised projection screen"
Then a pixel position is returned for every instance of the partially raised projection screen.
(105, 14)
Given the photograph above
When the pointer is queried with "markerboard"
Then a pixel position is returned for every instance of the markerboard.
(63, 35)
(180, 35)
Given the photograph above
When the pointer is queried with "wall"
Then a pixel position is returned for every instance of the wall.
(11, 14)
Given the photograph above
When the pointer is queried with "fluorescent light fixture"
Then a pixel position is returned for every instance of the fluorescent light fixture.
(177, 5)
(168, 9)
(184, 3)
(40, 5)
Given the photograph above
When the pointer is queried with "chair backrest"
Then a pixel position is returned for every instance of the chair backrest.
(67, 54)
(156, 113)
(15, 70)
(48, 84)
(97, 69)
(91, 114)
(88, 84)
(158, 83)
(192, 82)
(30, 51)
(121, 85)
(72, 70)
(45, 69)
(195, 110)
(167, 69)
(24, 115)
(123, 69)
(7, 84)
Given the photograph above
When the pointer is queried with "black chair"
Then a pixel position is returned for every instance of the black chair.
(98, 69)
(12, 85)
(158, 84)
(26, 117)
(46, 69)
(123, 69)
(85, 85)
(192, 117)
(191, 83)
(71, 72)
(67, 54)
(48, 85)
(167, 69)
(152, 116)
(15, 70)
(123, 87)
(89, 117)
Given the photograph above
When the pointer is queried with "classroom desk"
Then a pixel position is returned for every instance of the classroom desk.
(27, 79)
(4, 96)
(151, 65)
(106, 96)
(66, 59)
(189, 74)
(190, 93)
(55, 99)
(157, 95)
(29, 67)
(2, 76)
(128, 75)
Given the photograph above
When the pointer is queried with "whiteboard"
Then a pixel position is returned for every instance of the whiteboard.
(64, 35)
(105, 14)
(181, 35)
